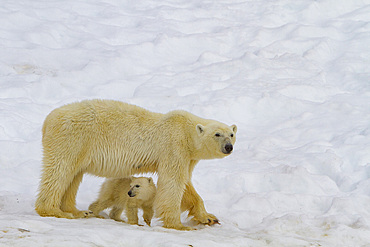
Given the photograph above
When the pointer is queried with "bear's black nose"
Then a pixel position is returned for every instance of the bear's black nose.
(130, 193)
(228, 147)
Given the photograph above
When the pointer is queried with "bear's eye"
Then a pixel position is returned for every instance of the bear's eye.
(232, 135)
(137, 186)
(217, 134)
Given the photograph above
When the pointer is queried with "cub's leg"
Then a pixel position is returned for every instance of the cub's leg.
(148, 214)
(98, 206)
(131, 211)
(115, 213)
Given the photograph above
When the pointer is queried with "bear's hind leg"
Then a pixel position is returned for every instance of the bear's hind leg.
(69, 199)
(51, 191)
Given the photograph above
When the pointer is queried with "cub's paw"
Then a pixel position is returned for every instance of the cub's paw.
(98, 216)
(180, 227)
(119, 220)
(84, 214)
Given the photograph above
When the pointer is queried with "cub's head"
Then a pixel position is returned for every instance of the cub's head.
(142, 188)
(217, 139)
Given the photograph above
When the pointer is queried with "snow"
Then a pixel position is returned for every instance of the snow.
(292, 75)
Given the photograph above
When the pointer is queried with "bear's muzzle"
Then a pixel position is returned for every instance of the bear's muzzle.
(228, 148)
(131, 194)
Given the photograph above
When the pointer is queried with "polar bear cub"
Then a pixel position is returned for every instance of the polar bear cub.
(127, 194)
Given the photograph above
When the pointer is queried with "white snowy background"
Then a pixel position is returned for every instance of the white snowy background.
(294, 76)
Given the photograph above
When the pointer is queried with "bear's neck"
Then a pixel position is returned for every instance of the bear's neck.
(188, 125)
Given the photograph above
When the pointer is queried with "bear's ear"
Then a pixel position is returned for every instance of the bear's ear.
(150, 180)
(234, 128)
(200, 129)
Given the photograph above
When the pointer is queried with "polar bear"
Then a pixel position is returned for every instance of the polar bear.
(127, 194)
(114, 139)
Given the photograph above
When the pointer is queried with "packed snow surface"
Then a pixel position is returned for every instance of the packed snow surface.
(294, 76)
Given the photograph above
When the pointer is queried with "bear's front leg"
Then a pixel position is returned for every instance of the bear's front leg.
(170, 189)
(192, 202)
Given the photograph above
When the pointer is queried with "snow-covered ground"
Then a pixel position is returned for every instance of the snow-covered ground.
(294, 76)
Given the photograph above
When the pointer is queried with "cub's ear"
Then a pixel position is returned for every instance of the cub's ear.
(200, 129)
(234, 128)
(150, 180)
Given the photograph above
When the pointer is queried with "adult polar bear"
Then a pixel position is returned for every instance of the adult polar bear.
(114, 139)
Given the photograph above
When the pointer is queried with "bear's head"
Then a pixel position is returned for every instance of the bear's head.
(217, 139)
(142, 188)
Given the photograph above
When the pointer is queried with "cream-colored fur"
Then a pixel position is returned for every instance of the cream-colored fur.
(114, 139)
(127, 194)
